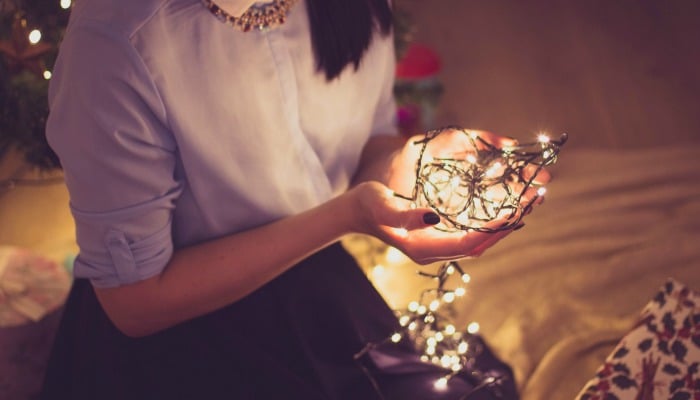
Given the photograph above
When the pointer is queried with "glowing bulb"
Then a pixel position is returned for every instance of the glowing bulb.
(404, 320)
(47, 74)
(394, 255)
(378, 271)
(441, 384)
(439, 337)
(424, 358)
(431, 341)
(493, 170)
(462, 347)
(434, 305)
(422, 310)
(471, 158)
(445, 361)
(460, 291)
(466, 278)
(472, 134)
(430, 350)
(34, 36)
(402, 232)
(450, 270)
(463, 218)
(450, 329)
(473, 328)
(541, 191)
(449, 297)
(542, 138)
(413, 306)
(456, 367)
(396, 337)
(412, 326)
(65, 4)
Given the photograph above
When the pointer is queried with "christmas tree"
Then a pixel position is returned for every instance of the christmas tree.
(30, 32)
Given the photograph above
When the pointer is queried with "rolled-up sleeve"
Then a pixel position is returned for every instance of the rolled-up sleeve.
(108, 126)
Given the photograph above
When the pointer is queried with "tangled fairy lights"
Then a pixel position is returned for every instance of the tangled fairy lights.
(468, 186)
(480, 181)
(423, 324)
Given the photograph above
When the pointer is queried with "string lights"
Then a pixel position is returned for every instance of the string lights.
(25, 49)
(468, 186)
(28, 50)
(479, 182)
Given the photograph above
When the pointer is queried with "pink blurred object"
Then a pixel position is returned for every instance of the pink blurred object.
(31, 286)
(419, 62)
(417, 89)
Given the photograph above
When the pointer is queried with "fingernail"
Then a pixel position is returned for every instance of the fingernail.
(431, 218)
(519, 226)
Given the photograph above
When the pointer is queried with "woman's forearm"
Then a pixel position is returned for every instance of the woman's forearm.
(204, 277)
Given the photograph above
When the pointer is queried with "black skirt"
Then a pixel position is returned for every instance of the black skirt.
(295, 338)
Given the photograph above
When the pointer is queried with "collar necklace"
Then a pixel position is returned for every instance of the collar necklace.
(260, 17)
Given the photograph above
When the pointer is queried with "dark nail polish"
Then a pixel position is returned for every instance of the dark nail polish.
(431, 218)
(519, 226)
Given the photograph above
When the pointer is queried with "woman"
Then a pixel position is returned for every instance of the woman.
(213, 163)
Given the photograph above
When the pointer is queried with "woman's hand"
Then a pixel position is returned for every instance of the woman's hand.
(391, 219)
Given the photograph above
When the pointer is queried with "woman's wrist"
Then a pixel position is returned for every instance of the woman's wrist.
(349, 211)
(363, 206)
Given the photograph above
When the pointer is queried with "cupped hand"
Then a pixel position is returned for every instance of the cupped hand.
(391, 219)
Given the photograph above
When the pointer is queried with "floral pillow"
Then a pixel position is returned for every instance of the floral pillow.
(660, 358)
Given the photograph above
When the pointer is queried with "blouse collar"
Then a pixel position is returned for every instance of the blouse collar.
(235, 7)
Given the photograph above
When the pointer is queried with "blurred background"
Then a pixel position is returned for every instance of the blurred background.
(610, 73)
(621, 77)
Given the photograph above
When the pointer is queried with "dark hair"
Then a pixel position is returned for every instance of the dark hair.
(341, 31)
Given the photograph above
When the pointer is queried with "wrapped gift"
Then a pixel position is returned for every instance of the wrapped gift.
(659, 358)
(31, 286)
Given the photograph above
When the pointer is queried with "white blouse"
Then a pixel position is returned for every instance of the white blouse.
(174, 128)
